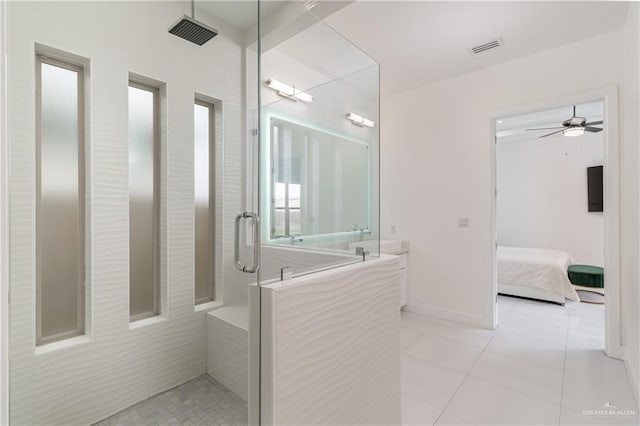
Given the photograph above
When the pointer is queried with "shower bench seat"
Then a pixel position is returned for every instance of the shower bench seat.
(228, 347)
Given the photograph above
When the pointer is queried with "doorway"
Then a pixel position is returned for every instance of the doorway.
(528, 114)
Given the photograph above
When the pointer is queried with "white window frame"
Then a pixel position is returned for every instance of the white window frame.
(211, 106)
(82, 183)
(157, 193)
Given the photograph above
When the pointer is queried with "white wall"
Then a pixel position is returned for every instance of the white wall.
(4, 226)
(114, 365)
(630, 187)
(542, 195)
(436, 167)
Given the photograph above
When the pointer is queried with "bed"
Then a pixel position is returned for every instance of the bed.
(535, 273)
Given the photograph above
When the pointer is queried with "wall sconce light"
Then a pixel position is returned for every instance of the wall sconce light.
(288, 92)
(359, 120)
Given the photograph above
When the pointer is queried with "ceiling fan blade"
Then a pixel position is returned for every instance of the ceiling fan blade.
(545, 128)
(592, 129)
(594, 123)
(552, 133)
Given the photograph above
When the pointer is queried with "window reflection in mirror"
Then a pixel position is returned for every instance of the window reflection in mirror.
(319, 181)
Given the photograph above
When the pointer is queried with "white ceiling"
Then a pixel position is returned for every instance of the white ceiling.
(417, 43)
(330, 56)
(242, 14)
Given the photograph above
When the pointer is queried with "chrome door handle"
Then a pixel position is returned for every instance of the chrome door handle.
(236, 242)
(256, 242)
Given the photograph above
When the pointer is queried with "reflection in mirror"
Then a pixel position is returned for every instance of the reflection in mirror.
(319, 181)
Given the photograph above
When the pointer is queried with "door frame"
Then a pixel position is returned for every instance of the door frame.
(609, 97)
(4, 237)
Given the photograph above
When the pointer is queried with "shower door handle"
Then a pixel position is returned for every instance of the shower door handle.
(256, 242)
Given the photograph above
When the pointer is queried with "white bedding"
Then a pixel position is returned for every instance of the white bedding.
(538, 268)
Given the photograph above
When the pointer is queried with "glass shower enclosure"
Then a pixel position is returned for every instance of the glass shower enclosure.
(166, 159)
(318, 167)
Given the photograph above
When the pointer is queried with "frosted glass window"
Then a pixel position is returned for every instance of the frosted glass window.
(59, 202)
(144, 202)
(203, 214)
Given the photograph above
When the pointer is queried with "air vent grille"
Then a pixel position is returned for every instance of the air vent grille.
(486, 46)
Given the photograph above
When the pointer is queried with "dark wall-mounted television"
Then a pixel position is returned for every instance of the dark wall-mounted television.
(595, 188)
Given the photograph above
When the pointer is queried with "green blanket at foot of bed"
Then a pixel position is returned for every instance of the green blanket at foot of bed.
(586, 275)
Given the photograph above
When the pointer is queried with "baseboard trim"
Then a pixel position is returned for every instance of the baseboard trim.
(616, 352)
(633, 376)
(447, 314)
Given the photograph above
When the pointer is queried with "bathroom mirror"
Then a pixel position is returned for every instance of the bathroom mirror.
(319, 180)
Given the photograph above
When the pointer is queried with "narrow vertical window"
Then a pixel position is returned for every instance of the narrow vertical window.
(203, 193)
(287, 209)
(60, 211)
(287, 177)
(144, 202)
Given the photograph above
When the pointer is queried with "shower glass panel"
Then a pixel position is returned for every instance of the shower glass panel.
(319, 150)
(293, 141)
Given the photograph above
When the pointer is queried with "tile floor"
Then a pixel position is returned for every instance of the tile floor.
(201, 401)
(545, 365)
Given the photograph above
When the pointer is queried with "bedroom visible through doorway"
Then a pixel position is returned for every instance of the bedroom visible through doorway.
(550, 219)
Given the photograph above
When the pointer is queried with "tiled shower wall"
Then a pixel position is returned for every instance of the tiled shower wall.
(114, 366)
(330, 347)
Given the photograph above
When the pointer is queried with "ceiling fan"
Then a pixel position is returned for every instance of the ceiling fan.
(574, 126)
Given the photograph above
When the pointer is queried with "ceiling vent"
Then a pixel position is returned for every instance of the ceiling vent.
(490, 45)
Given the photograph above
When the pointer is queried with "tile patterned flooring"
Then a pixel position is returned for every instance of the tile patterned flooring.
(201, 401)
(544, 365)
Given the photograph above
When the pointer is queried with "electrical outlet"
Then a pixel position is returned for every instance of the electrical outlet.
(393, 229)
(463, 222)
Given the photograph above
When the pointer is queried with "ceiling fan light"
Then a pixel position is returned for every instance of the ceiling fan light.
(573, 131)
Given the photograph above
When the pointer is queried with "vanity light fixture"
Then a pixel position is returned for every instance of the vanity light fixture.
(573, 131)
(289, 92)
(359, 120)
